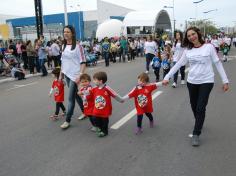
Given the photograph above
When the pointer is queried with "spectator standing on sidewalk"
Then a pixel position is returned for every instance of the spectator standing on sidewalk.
(56, 53)
(42, 54)
(106, 51)
(72, 66)
(31, 53)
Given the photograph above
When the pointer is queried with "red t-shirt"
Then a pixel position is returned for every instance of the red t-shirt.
(88, 100)
(58, 89)
(143, 98)
(102, 101)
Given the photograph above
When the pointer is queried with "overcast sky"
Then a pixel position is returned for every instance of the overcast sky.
(184, 9)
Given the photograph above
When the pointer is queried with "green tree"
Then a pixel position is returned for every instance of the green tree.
(206, 26)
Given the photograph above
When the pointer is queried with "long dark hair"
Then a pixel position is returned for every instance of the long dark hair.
(72, 29)
(189, 44)
(181, 38)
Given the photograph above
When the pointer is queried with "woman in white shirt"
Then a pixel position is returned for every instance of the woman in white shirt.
(200, 81)
(150, 49)
(215, 42)
(178, 51)
(72, 66)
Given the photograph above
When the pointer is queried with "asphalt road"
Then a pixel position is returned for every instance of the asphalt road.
(32, 145)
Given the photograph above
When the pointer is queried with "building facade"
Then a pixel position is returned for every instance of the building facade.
(85, 22)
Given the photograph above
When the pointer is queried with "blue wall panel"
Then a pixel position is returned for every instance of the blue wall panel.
(73, 19)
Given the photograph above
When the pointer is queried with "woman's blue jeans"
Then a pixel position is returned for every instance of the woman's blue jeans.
(71, 99)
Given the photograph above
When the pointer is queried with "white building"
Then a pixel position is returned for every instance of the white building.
(142, 23)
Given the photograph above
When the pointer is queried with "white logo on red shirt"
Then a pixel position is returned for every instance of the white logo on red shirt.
(100, 102)
(142, 100)
(56, 91)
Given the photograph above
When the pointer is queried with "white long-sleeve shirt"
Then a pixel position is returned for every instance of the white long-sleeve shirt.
(178, 51)
(200, 65)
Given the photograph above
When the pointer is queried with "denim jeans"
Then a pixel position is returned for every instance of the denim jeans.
(106, 57)
(182, 73)
(149, 58)
(42, 66)
(71, 99)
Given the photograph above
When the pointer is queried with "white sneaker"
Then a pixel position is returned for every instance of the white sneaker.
(174, 85)
(182, 82)
(81, 117)
(65, 125)
(93, 129)
(146, 71)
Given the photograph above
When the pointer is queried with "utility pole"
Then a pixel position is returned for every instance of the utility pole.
(39, 17)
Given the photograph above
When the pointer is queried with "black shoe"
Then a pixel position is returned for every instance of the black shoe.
(195, 141)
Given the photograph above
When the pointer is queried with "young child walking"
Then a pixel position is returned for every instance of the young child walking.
(166, 60)
(142, 94)
(85, 91)
(58, 90)
(156, 65)
(102, 102)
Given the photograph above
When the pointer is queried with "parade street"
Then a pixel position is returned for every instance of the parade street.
(33, 145)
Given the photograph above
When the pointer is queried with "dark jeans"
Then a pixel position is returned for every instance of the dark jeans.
(113, 54)
(132, 54)
(140, 119)
(56, 60)
(42, 67)
(71, 99)
(31, 64)
(58, 106)
(92, 120)
(106, 57)
(182, 73)
(37, 64)
(199, 95)
(102, 123)
(157, 74)
(149, 58)
(165, 72)
(19, 75)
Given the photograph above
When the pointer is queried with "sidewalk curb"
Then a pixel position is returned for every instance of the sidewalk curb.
(31, 75)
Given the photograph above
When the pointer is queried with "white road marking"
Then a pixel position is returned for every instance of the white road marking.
(128, 116)
(19, 86)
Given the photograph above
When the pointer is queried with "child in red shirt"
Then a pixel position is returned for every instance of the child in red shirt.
(58, 90)
(85, 92)
(102, 102)
(142, 95)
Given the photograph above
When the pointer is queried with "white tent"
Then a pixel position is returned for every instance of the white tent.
(154, 19)
(109, 28)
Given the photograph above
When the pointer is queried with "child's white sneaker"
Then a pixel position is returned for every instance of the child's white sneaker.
(182, 82)
(82, 117)
(174, 85)
(93, 129)
(65, 125)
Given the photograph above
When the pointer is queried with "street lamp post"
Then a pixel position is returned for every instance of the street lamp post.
(194, 20)
(79, 21)
(173, 8)
(65, 13)
(79, 10)
(210, 10)
(204, 23)
(196, 3)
